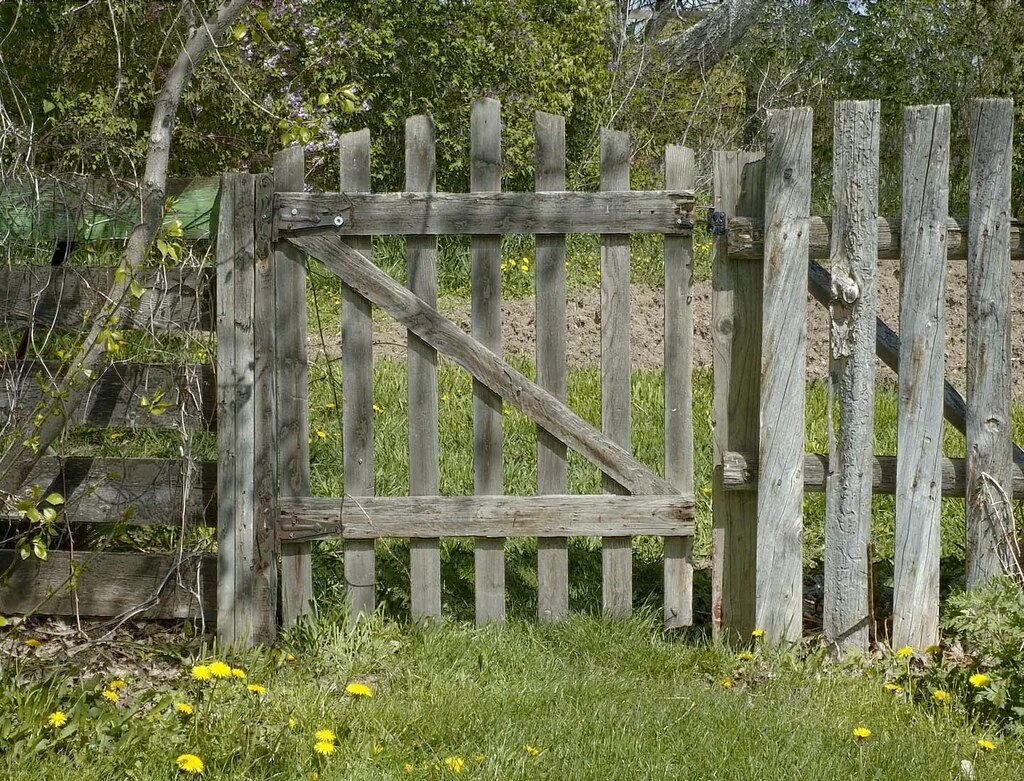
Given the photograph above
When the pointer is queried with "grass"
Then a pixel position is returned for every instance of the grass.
(597, 700)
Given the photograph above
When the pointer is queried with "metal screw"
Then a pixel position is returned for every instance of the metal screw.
(680, 222)
(339, 221)
(294, 212)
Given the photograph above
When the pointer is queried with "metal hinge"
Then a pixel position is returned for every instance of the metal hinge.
(717, 222)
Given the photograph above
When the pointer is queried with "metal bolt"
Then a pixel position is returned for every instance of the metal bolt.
(294, 212)
(339, 221)
(680, 222)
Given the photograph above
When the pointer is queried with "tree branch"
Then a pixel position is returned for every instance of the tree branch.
(36, 429)
(699, 48)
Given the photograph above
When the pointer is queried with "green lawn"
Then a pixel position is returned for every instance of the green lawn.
(596, 700)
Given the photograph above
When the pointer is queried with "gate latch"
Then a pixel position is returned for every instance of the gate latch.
(716, 222)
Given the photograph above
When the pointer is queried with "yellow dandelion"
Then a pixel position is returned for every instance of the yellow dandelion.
(861, 733)
(257, 689)
(292, 723)
(359, 690)
(116, 685)
(57, 719)
(526, 260)
(986, 745)
(184, 709)
(324, 736)
(190, 763)
(455, 764)
(940, 695)
(321, 433)
(237, 673)
(893, 687)
(378, 408)
(33, 642)
(330, 405)
(408, 768)
(201, 672)
(324, 748)
(745, 656)
(378, 749)
(757, 633)
(531, 750)
(109, 694)
(289, 657)
(980, 680)
(726, 683)
(905, 652)
(220, 670)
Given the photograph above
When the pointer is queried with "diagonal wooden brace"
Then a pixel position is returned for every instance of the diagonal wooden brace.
(360, 274)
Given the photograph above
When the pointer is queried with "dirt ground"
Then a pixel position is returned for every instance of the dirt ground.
(647, 331)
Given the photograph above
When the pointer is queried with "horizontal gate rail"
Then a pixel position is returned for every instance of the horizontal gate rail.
(428, 517)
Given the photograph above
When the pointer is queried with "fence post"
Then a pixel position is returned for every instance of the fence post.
(736, 341)
(852, 352)
(922, 339)
(292, 369)
(235, 410)
(990, 528)
(679, 175)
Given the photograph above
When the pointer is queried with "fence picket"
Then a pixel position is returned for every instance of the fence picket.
(291, 384)
(424, 474)
(778, 592)
(680, 174)
(616, 553)
(736, 293)
(852, 352)
(485, 176)
(357, 377)
(552, 552)
(922, 338)
(990, 551)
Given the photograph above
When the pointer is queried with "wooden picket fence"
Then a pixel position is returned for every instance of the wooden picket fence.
(258, 491)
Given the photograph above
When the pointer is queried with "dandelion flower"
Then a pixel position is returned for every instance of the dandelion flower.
(893, 687)
(330, 405)
(861, 733)
(289, 657)
(726, 683)
(940, 695)
(359, 690)
(378, 408)
(745, 656)
(257, 689)
(116, 685)
(292, 723)
(57, 719)
(190, 763)
(109, 694)
(408, 768)
(220, 670)
(238, 673)
(986, 745)
(378, 749)
(321, 433)
(757, 633)
(324, 748)
(455, 764)
(33, 642)
(184, 709)
(201, 672)
(531, 750)
(324, 735)
(980, 680)
(905, 652)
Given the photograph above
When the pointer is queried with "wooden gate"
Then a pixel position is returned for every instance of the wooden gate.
(268, 225)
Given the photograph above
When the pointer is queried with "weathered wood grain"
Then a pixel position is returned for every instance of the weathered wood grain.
(110, 584)
(740, 474)
(77, 208)
(990, 524)
(852, 353)
(485, 176)
(746, 238)
(922, 337)
(616, 553)
(549, 516)
(116, 398)
(552, 553)
(291, 364)
(134, 491)
(736, 342)
(70, 296)
(779, 581)
(424, 451)
(357, 376)
(447, 338)
(485, 213)
(680, 171)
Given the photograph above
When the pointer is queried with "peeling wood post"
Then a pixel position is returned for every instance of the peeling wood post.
(990, 526)
(616, 553)
(488, 474)
(236, 412)
(736, 341)
(291, 382)
(852, 372)
(424, 465)
(779, 580)
(922, 339)
(357, 378)
(552, 553)
(679, 173)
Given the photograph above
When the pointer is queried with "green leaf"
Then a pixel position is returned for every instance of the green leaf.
(48, 107)
(55, 498)
(39, 550)
(137, 290)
